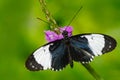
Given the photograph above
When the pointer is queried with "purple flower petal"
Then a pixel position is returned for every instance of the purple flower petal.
(52, 36)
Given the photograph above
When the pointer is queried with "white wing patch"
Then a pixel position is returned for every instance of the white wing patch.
(43, 56)
(96, 43)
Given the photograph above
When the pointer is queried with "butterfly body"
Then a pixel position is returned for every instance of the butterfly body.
(80, 48)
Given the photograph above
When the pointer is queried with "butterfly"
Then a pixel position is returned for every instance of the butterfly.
(82, 48)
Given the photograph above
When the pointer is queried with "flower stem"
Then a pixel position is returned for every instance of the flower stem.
(92, 72)
(51, 20)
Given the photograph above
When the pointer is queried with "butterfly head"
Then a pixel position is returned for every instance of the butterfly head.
(65, 33)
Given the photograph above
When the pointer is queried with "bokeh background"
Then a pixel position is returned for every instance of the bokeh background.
(21, 33)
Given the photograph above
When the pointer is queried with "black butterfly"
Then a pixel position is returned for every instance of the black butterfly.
(80, 48)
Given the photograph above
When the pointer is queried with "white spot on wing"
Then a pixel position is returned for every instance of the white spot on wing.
(96, 43)
(91, 59)
(43, 56)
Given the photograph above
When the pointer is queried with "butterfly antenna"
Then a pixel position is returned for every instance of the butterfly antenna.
(43, 20)
(75, 15)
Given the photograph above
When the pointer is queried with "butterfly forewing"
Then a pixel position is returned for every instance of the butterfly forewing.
(110, 44)
(40, 59)
(50, 56)
(90, 45)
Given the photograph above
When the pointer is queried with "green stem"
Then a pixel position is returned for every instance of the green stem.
(92, 71)
(51, 20)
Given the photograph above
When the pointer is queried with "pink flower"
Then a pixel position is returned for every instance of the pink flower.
(52, 36)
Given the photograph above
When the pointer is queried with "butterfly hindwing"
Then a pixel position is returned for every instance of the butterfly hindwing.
(59, 55)
(89, 45)
(50, 56)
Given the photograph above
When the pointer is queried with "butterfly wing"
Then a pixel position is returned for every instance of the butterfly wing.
(86, 46)
(59, 55)
(83, 48)
(50, 56)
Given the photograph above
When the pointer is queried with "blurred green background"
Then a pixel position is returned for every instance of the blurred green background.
(21, 33)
